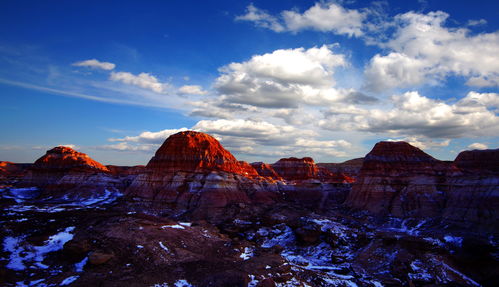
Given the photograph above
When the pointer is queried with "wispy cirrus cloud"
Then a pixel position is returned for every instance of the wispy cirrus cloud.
(96, 64)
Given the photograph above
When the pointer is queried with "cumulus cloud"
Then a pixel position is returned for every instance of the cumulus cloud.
(96, 64)
(264, 139)
(286, 78)
(325, 17)
(143, 80)
(415, 115)
(423, 50)
(248, 138)
(192, 90)
(478, 146)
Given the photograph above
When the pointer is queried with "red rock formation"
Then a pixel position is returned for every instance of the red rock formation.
(196, 152)
(67, 159)
(126, 170)
(349, 168)
(65, 173)
(479, 161)
(266, 170)
(10, 169)
(192, 171)
(300, 169)
(473, 196)
(400, 179)
(296, 168)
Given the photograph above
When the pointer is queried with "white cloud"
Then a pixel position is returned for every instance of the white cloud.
(261, 19)
(416, 115)
(328, 17)
(149, 137)
(478, 146)
(255, 139)
(422, 50)
(479, 22)
(325, 17)
(192, 90)
(143, 80)
(123, 146)
(286, 78)
(94, 63)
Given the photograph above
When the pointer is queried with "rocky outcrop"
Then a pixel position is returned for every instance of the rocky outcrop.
(399, 179)
(304, 169)
(196, 152)
(266, 170)
(296, 168)
(350, 168)
(478, 161)
(126, 170)
(69, 174)
(60, 162)
(192, 172)
(473, 196)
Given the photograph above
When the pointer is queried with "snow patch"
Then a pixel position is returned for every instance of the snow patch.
(79, 266)
(247, 254)
(454, 240)
(164, 247)
(182, 283)
(69, 280)
(22, 253)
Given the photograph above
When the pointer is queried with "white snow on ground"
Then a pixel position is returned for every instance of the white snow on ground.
(34, 283)
(164, 247)
(23, 253)
(187, 224)
(140, 246)
(182, 283)
(247, 254)
(464, 277)
(253, 281)
(314, 258)
(94, 201)
(454, 240)
(21, 194)
(69, 280)
(420, 272)
(79, 266)
(404, 228)
(280, 234)
(176, 226)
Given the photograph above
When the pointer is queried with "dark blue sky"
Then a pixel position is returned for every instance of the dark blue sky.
(171, 70)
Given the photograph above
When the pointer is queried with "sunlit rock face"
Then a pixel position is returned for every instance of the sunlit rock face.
(61, 162)
(296, 168)
(192, 171)
(266, 170)
(399, 179)
(65, 173)
(196, 152)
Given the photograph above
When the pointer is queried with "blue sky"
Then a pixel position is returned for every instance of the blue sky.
(269, 79)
